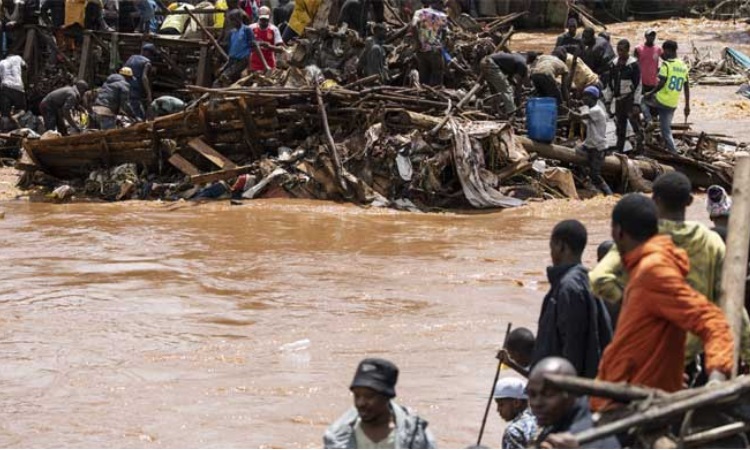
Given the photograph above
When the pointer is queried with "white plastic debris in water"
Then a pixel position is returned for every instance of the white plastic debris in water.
(539, 166)
(296, 346)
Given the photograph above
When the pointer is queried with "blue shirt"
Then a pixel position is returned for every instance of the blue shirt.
(240, 41)
(520, 431)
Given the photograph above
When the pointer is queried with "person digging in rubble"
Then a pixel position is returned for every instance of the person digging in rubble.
(595, 145)
(582, 76)
(672, 194)
(430, 26)
(573, 324)
(57, 107)
(12, 85)
(500, 69)
(140, 82)
(659, 307)
(113, 99)
(269, 40)
(624, 81)
(241, 41)
(597, 52)
(544, 70)
(570, 39)
(648, 55)
(560, 414)
(376, 420)
(164, 106)
(673, 79)
(513, 407)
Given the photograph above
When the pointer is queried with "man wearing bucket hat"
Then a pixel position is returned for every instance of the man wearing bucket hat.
(376, 421)
(595, 144)
(513, 407)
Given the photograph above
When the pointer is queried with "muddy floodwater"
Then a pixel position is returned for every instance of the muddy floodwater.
(153, 325)
(183, 325)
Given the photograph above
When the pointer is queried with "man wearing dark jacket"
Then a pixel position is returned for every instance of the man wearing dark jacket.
(559, 414)
(624, 79)
(597, 52)
(573, 323)
(113, 97)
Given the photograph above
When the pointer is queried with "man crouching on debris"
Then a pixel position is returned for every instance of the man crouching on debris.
(376, 421)
(241, 41)
(595, 144)
(58, 105)
(113, 98)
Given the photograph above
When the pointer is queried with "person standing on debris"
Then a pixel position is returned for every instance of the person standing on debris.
(513, 407)
(573, 323)
(282, 13)
(545, 69)
(570, 39)
(269, 40)
(241, 41)
(581, 75)
(595, 145)
(140, 82)
(12, 85)
(499, 70)
(164, 106)
(376, 421)
(672, 194)
(597, 52)
(430, 26)
(648, 55)
(372, 60)
(113, 98)
(624, 81)
(659, 307)
(58, 105)
(560, 414)
(673, 79)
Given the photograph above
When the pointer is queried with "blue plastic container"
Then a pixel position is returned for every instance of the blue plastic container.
(541, 119)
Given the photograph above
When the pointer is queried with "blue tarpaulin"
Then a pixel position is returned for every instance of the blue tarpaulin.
(739, 57)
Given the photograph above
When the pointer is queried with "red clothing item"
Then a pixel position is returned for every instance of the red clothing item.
(270, 35)
(658, 308)
(648, 60)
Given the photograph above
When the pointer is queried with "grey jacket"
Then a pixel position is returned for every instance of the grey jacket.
(411, 430)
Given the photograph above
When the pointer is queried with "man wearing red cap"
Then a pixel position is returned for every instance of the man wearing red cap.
(376, 421)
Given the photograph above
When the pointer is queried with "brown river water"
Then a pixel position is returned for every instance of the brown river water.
(169, 325)
(164, 325)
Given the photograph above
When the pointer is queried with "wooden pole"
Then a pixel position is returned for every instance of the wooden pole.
(492, 390)
(620, 392)
(208, 35)
(331, 144)
(732, 300)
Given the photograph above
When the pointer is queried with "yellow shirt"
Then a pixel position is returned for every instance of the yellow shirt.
(583, 76)
(676, 73)
(221, 5)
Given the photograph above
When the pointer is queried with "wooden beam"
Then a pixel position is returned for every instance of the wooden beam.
(210, 177)
(200, 146)
(83, 69)
(183, 165)
(204, 70)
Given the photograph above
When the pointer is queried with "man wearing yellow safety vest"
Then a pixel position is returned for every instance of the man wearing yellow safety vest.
(673, 79)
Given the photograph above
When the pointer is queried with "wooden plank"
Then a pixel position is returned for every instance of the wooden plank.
(204, 68)
(183, 165)
(200, 146)
(83, 69)
(210, 177)
(30, 44)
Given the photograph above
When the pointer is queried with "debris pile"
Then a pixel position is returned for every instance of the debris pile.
(731, 68)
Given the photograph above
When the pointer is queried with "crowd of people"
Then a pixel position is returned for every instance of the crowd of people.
(646, 314)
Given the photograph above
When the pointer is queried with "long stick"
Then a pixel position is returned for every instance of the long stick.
(329, 139)
(492, 391)
(735, 263)
(208, 35)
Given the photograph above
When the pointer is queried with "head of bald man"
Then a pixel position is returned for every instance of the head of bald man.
(548, 404)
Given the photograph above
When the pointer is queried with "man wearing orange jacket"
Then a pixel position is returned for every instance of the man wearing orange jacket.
(658, 308)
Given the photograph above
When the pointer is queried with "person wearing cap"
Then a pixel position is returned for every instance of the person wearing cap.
(376, 420)
(673, 79)
(513, 407)
(269, 40)
(560, 415)
(624, 82)
(57, 107)
(595, 145)
(718, 205)
(648, 55)
(113, 98)
(570, 40)
(140, 82)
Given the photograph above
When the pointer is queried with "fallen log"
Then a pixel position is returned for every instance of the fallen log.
(620, 392)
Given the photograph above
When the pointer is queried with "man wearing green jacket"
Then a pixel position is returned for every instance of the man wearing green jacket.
(705, 248)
